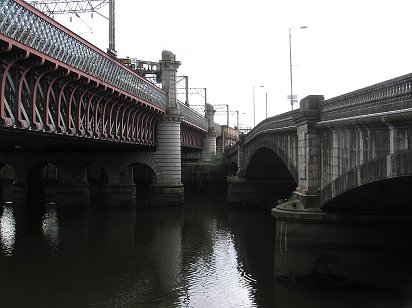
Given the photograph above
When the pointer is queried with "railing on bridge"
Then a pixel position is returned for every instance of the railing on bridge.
(279, 122)
(386, 96)
(24, 24)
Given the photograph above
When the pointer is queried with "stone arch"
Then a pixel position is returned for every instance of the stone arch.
(266, 142)
(143, 174)
(117, 182)
(390, 170)
(386, 194)
(265, 164)
(143, 159)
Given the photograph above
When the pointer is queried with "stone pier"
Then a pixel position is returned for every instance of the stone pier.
(168, 190)
(209, 141)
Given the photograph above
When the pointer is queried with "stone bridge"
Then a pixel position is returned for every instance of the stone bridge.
(351, 151)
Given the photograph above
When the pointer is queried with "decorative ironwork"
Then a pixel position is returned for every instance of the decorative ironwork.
(25, 26)
(54, 81)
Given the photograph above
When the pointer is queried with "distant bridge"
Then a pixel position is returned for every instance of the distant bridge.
(351, 151)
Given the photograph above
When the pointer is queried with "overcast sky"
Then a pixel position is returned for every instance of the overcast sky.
(230, 46)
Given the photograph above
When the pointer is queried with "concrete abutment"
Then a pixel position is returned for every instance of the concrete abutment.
(344, 249)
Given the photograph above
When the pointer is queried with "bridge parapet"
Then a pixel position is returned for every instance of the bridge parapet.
(192, 117)
(281, 122)
(393, 94)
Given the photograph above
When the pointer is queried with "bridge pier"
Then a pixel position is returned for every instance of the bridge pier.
(343, 249)
(7, 178)
(116, 188)
(169, 189)
(72, 187)
(263, 183)
(307, 191)
(240, 157)
(209, 141)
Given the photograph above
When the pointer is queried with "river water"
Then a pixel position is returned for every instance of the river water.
(204, 254)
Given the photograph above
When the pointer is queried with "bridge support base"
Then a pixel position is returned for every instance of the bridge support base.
(368, 249)
(257, 193)
(166, 194)
(307, 200)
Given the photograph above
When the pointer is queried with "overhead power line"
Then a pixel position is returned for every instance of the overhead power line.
(56, 7)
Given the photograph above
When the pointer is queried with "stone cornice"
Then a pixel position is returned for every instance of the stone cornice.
(395, 117)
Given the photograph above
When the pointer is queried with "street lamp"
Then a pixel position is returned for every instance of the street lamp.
(290, 64)
(254, 113)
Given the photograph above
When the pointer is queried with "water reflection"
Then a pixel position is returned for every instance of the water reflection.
(190, 256)
(218, 279)
(7, 231)
(201, 255)
(50, 228)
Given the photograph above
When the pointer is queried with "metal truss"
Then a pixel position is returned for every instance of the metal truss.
(190, 138)
(38, 95)
(55, 7)
(46, 48)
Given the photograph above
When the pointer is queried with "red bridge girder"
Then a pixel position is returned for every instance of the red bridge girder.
(189, 137)
(39, 94)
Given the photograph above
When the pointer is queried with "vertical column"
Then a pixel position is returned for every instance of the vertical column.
(393, 148)
(169, 189)
(307, 191)
(240, 157)
(209, 141)
(72, 187)
(119, 188)
(239, 191)
(335, 154)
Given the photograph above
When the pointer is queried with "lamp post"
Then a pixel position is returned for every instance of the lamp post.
(290, 64)
(254, 107)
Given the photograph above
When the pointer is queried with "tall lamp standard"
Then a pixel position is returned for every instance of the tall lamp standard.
(254, 113)
(290, 64)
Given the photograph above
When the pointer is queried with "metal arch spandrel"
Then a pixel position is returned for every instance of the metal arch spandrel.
(26, 27)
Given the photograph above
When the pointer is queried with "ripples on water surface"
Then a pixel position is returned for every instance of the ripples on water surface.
(199, 255)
